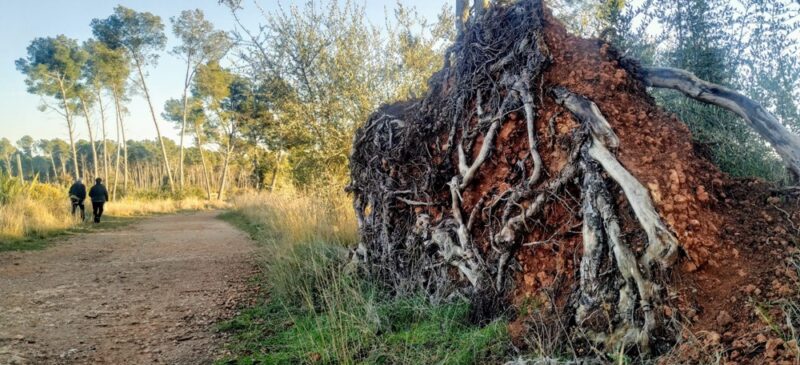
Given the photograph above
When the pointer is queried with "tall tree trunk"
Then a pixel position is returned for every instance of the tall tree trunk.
(71, 127)
(158, 129)
(224, 177)
(83, 165)
(106, 158)
(123, 141)
(8, 166)
(53, 163)
(20, 173)
(275, 171)
(63, 163)
(91, 135)
(116, 162)
(206, 176)
(186, 81)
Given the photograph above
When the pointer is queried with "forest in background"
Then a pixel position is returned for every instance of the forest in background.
(279, 102)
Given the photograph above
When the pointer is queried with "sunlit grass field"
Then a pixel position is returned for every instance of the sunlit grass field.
(30, 211)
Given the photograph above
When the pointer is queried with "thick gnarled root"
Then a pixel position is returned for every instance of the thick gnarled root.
(662, 244)
(602, 235)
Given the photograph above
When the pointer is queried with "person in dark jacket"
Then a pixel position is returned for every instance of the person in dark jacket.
(99, 196)
(77, 194)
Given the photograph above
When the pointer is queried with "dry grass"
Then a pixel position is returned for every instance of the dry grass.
(301, 218)
(34, 209)
(139, 207)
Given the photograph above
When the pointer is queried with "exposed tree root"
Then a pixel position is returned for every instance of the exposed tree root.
(601, 232)
(450, 191)
(407, 233)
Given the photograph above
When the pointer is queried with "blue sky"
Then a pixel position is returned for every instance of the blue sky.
(22, 21)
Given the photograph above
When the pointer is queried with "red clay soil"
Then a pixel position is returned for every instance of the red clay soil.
(739, 305)
(739, 239)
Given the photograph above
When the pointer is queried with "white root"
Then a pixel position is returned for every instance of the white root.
(453, 254)
(662, 244)
(460, 255)
(468, 171)
(461, 230)
(786, 144)
(527, 101)
(414, 202)
(626, 263)
(508, 233)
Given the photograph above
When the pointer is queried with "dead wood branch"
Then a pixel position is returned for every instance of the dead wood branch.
(786, 144)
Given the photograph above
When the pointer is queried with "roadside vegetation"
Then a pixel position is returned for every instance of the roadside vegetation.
(316, 308)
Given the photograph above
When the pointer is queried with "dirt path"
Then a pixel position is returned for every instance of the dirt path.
(148, 293)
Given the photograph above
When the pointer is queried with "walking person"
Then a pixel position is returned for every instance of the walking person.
(77, 194)
(99, 196)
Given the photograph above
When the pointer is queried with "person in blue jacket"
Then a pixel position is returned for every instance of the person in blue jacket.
(99, 196)
(77, 194)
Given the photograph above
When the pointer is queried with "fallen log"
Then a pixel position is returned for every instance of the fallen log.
(785, 143)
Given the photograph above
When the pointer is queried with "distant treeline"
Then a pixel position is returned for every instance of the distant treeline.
(49, 161)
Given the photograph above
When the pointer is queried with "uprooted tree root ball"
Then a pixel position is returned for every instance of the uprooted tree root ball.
(537, 175)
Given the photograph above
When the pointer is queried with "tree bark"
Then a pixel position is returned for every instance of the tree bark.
(63, 163)
(53, 163)
(206, 176)
(224, 177)
(786, 144)
(116, 162)
(275, 171)
(186, 81)
(91, 135)
(123, 142)
(158, 129)
(106, 158)
(83, 165)
(20, 172)
(8, 166)
(71, 128)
